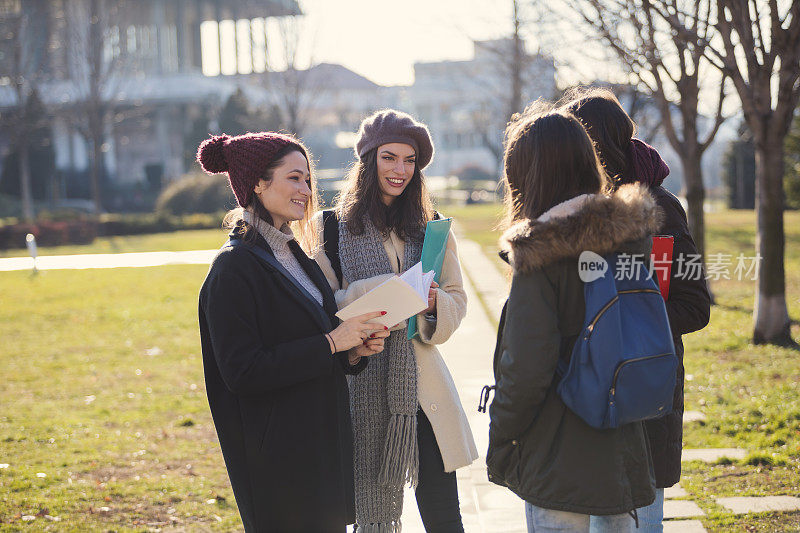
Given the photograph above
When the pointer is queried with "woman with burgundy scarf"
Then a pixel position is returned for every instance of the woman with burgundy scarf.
(408, 422)
(629, 160)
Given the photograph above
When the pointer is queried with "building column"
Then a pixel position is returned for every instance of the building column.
(197, 17)
(180, 34)
(218, 18)
(235, 16)
(252, 47)
(266, 45)
(159, 21)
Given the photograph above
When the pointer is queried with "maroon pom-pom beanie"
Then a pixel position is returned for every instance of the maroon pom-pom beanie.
(390, 126)
(244, 158)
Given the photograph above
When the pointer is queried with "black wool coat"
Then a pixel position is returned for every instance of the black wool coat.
(688, 310)
(278, 397)
(538, 447)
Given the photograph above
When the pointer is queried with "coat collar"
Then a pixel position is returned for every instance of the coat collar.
(325, 315)
(600, 223)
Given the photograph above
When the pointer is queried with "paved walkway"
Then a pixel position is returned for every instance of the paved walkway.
(132, 259)
(485, 507)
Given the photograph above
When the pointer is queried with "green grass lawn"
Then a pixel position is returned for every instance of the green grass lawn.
(103, 392)
(104, 422)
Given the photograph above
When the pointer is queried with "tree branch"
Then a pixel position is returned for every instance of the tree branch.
(719, 118)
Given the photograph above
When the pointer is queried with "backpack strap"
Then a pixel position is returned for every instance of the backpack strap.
(330, 234)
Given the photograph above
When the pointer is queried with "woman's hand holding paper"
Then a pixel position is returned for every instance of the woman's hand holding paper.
(372, 345)
(432, 298)
(354, 331)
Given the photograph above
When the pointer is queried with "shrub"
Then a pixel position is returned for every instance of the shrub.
(196, 193)
(48, 233)
(142, 223)
(763, 459)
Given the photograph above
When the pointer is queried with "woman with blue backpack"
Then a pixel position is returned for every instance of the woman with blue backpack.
(688, 301)
(572, 475)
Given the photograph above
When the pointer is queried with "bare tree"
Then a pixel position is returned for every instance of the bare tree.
(505, 90)
(643, 109)
(758, 48)
(25, 74)
(97, 68)
(295, 87)
(670, 67)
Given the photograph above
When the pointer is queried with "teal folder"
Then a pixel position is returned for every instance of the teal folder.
(433, 250)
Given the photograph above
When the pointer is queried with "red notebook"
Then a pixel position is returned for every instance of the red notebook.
(662, 262)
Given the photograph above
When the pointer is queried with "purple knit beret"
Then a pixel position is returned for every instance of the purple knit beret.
(390, 126)
(244, 158)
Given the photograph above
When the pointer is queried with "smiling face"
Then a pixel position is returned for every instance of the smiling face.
(396, 163)
(286, 195)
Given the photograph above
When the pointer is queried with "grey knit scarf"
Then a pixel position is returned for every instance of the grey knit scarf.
(383, 398)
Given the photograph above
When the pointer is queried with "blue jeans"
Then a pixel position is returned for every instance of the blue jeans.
(542, 520)
(650, 517)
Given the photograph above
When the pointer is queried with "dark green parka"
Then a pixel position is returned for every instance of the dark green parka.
(538, 448)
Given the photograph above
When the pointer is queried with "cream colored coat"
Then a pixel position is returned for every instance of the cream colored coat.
(436, 390)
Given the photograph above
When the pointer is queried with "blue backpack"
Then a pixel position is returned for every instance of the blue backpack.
(623, 364)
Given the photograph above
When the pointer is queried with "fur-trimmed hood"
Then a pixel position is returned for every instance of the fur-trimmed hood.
(599, 223)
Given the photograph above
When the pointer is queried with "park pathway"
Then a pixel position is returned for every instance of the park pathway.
(124, 260)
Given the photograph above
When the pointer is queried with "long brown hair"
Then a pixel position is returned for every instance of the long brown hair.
(608, 125)
(407, 215)
(303, 230)
(549, 159)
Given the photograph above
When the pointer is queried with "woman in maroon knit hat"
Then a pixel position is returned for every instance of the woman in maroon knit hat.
(629, 160)
(274, 354)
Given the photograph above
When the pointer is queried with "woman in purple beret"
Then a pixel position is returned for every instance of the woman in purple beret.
(408, 422)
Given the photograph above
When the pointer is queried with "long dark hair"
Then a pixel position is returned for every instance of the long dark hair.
(305, 234)
(549, 159)
(608, 125)
(408, 213)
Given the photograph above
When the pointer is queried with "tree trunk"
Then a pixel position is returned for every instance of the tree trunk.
(517, 65)
(772, 323)
(26, 195)
(97, 172)
(695, 199)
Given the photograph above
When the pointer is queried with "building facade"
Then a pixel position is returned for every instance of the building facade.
(467, 103)
(142, 61)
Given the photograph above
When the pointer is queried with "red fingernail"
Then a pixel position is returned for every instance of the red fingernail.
(372, 336)
(384, 327)
(383, 313)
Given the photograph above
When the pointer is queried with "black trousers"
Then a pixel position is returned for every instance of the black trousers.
(437, 491)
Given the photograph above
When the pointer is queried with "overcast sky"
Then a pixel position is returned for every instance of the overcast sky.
(382, 39)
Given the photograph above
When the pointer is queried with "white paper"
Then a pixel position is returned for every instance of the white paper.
(420, 282)
(400, 296)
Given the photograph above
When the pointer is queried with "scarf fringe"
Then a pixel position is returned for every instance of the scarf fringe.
(384, 527)
(400, 454)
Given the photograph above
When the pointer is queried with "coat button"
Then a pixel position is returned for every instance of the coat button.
(433, 407)
(419, 368)
(514, 442)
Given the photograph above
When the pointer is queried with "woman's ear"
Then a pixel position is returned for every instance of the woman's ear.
(260, 186)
